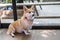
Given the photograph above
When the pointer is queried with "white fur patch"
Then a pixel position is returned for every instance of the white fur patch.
(27, 24)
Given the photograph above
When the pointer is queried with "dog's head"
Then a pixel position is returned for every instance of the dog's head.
(29, 13)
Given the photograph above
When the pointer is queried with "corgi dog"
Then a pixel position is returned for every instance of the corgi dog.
(24, 24)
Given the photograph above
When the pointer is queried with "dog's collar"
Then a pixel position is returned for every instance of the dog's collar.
(26, 18)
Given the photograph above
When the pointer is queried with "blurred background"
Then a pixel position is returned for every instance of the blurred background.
(53, 11)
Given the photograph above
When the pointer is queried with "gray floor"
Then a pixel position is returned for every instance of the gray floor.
(35, 35)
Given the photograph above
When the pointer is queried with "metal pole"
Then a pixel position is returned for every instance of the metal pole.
(0, 23)
(36, 11)
(0, 20)
(14, 9)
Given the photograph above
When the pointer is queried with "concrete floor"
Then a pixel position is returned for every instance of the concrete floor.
(35, 35)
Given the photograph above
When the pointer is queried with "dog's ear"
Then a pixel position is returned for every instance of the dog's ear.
(25, 8)
(32, 7)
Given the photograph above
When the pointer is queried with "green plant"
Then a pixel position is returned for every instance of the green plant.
(38, 0)
(8, 1)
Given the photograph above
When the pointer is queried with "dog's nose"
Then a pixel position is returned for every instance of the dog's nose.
(33, 15)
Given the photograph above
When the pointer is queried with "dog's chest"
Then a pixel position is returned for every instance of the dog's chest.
(27, 24)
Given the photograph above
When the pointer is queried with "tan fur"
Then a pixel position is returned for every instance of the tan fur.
(19, 24)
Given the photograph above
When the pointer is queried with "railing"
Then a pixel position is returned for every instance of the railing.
(47, 17)
(40, 3)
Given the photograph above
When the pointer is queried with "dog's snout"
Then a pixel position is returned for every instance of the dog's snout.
(33, 15)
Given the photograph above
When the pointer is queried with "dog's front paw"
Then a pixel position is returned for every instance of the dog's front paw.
(27, 33)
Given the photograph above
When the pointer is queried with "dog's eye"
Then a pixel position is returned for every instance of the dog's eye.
(29, 12)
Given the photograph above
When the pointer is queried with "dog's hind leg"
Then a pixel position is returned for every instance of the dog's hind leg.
(12, 34)
(11, 31)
